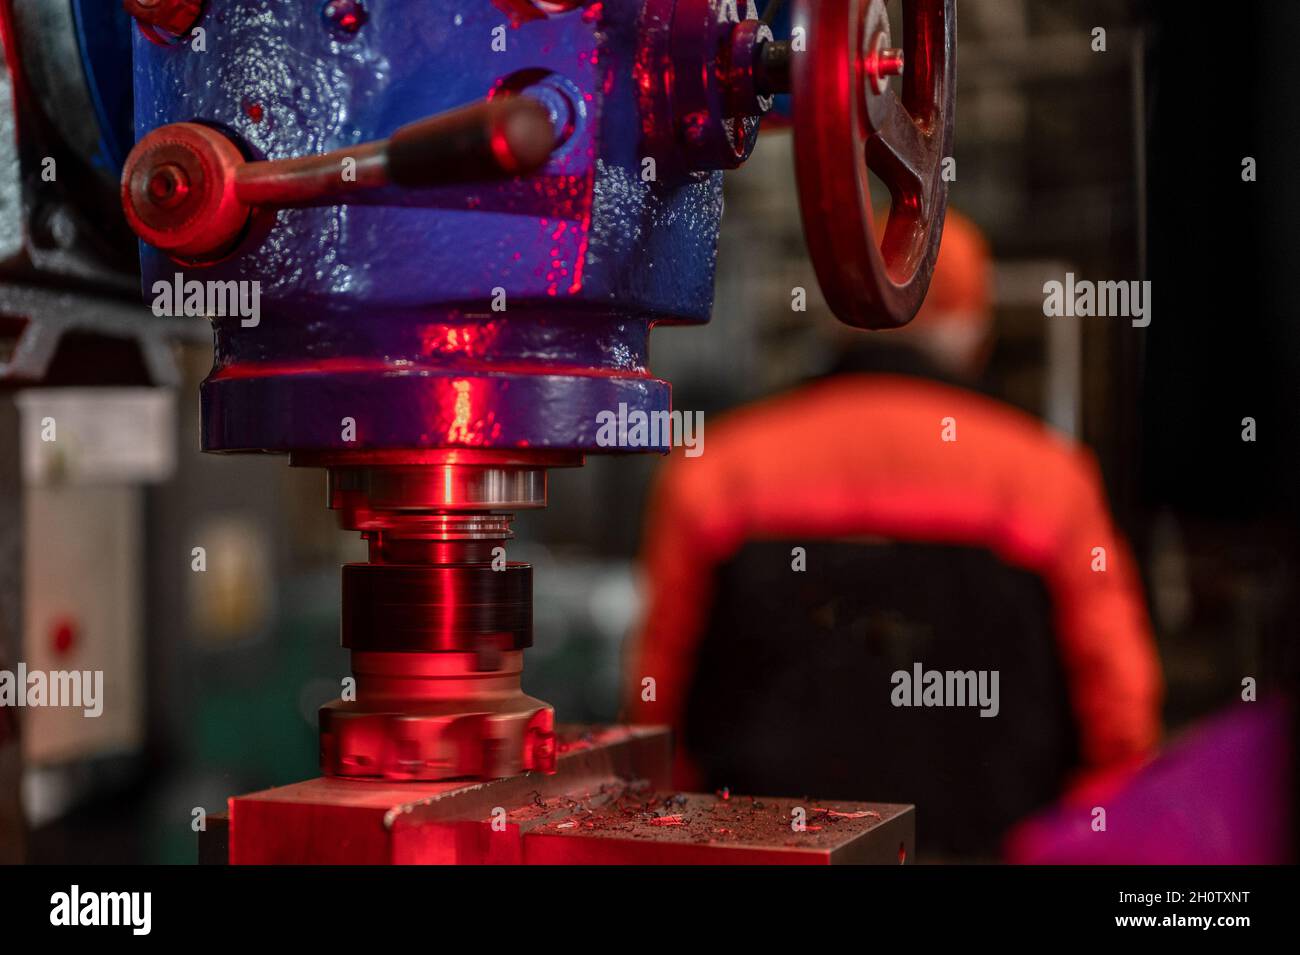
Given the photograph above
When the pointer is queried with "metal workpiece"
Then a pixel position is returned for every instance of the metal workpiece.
(343, 821)
(610, 801)
(639, 825)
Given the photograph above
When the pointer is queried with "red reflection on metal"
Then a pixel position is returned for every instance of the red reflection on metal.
(540, 748)
(585, 233)
(458, 339)
(463, 430)
(502, 149)
(519, 11)
(349, 16)
(558, 270)
(600, 807)
(382, 366)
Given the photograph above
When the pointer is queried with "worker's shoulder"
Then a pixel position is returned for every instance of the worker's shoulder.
(899, 415)
(871, 402)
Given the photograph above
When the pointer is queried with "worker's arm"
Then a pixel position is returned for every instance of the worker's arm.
(1104, 631)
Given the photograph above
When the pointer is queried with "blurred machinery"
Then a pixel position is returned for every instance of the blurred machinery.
(84, 426)
(435, 301)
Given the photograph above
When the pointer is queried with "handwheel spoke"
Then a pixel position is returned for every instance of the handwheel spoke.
(902, 154)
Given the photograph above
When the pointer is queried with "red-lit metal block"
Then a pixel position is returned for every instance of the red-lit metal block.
(609, 803)
(347, 821)
(642, 826)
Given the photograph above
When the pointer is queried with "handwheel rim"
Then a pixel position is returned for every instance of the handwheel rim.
(843, 128)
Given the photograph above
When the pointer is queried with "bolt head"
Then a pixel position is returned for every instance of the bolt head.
(345, 17)
(168, 186)
(881, 62)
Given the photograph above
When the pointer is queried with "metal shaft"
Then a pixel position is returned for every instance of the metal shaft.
(490, 139)
(437, 621)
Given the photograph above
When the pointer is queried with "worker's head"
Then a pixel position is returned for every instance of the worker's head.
(954, 326)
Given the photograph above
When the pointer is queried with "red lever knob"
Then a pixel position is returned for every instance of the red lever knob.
(187, 189)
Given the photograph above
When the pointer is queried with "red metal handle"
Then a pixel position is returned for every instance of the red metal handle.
(188, 190)
(850, 117)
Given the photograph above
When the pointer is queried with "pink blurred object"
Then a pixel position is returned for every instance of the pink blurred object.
(1221, 795)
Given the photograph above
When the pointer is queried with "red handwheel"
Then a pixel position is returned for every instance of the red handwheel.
(852, 114)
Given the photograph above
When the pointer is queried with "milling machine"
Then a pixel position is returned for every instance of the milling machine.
(460, 220)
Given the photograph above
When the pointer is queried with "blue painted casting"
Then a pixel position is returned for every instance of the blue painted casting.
(381, 310)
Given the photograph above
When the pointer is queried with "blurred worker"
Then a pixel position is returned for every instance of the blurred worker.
(884, 586)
